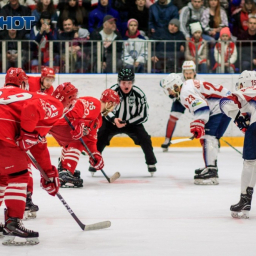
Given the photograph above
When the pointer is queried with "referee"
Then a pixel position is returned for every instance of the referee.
(128, 118)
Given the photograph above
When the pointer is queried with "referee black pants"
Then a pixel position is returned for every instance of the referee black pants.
(136, 132)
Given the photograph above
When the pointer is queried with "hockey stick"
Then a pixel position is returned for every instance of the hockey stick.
(181, 140)
(231, 146)
(115, 175)
(99, 225)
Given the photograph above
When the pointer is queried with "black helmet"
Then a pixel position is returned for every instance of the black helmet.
(126, 74)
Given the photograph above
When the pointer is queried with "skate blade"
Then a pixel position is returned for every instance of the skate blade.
(115, 177)
(100, 225)
(152, 174)
(240, 215)
(211, 181)
(28, 215)
(165, 149)
(92, 173)
(9, 240)
(1, 234)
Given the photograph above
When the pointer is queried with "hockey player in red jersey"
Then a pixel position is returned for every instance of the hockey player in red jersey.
(86, 118)
(43, 83)
(37, 84)
(25, 119)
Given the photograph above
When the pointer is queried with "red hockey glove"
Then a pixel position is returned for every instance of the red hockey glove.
(197, 128)
(98, 164)
(80, 129)
(29, 139)
(52, 186)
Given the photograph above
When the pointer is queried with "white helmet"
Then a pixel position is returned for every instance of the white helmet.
(247, 79)
(169, 81)
(188, 64)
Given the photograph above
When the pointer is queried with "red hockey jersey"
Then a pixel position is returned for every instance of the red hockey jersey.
(35, 85)
(31, 112)
(86, 108)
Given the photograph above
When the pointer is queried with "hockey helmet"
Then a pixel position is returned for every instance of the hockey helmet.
(188, 64)
(47, 72)
(16, 77)
(126, 74)
(110, 95)
(111, 99)
(67, 94)
(171, 82)
(246, 79)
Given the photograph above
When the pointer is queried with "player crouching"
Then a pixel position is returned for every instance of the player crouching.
(209, 124)
(86, 118)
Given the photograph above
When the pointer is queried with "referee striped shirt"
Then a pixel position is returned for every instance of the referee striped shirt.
(133, 107)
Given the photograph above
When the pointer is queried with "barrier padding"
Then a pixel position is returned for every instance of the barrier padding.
(157, 141)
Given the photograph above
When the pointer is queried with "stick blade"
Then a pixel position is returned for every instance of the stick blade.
(180, 140)
(99, 225)
(115, 177)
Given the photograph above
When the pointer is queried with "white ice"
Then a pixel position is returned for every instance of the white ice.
(162, 215)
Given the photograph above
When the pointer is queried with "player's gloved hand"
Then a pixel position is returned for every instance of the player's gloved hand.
(242, 121)
(27, 140)
(98, 163)
(52, 186)
(80, 129)
(197, 128)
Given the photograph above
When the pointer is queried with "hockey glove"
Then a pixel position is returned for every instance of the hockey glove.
(27, 140)
(52, 186)
(242, 121)
(98, 163)
(80, 129)
(197, 128)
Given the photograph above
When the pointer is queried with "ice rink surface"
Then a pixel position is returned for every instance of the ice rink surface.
(151, 216)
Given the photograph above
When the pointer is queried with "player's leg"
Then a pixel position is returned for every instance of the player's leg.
(214, 129)
(248, 177)
(15, 194)
(142, 138)
(31, 208)
(209, 174)
(176, 111)
(3, 186)
(69, 159)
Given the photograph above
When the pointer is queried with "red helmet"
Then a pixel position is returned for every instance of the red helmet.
(15, 76)
(110, 95)
(47, 72)
(66, 93)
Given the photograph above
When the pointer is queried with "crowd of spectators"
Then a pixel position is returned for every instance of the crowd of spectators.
(178, 29)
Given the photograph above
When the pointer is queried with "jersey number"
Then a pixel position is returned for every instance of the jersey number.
(14, 98)
(208, 86)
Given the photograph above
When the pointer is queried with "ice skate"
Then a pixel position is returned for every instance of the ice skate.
(241, 210)
(199, 170)
(92, 170)
(67, 180)
(152, 169)
(30, 209)
(77, 174)
(14, 228)
(1, 230)
(166, 145)
(208, 176)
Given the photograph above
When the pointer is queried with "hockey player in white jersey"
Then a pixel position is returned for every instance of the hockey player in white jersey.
(202, 100)
(241, 107)
(188, 72)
